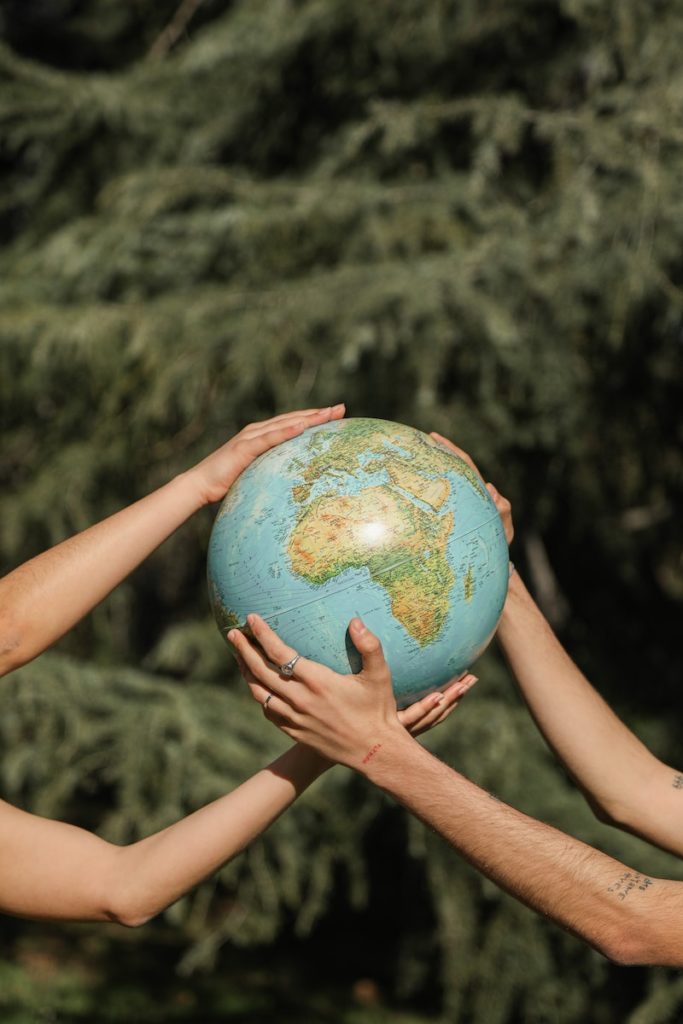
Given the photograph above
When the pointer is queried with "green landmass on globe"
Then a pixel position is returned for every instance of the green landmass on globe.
(370, 518)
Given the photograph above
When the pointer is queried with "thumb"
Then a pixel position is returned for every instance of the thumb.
(369, 648)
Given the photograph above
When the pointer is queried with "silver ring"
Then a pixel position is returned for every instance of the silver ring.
(288, 668)
(267, 700)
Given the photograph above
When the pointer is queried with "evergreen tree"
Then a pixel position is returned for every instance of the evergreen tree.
(461, 216)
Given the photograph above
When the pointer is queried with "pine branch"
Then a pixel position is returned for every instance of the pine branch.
(172, 32)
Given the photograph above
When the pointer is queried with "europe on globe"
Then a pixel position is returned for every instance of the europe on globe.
(364, 517)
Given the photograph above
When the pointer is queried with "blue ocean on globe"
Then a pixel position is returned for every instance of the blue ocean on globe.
(364, 517)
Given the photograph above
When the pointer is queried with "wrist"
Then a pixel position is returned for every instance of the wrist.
(385, 754)
(312, 761)
(303, 763)
(515, 590)
(194, 487)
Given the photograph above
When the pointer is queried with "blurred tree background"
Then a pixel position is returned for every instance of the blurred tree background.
(466, 216)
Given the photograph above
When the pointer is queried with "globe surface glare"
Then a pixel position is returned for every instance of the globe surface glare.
(363, 517)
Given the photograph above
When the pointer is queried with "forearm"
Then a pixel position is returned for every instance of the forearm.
(54, 871)
(588, 893)
(612, 766)
(156, 871)
(46, 596)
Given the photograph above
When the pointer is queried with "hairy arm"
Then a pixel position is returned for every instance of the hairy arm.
(45, 597)
(626, 784)
(352, 719)
(54, 871)
(629, 917)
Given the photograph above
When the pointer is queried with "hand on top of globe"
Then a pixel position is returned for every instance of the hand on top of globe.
(502, 504)
(215, 474)
(344, 717)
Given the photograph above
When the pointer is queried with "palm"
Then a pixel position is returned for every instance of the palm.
(218, 471)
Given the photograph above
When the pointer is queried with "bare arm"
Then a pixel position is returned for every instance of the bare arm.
(45, 597)
(627, 784)
(625, 915)
(629, 917)
(54, 871)
(624, 783)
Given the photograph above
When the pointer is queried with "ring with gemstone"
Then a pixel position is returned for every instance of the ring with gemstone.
(288, 668)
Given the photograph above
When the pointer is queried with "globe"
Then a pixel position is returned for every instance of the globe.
(363, 517)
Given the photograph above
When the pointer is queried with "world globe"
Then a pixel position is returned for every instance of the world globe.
(367, 518)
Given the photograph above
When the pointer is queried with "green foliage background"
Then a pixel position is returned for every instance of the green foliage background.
(466, 216)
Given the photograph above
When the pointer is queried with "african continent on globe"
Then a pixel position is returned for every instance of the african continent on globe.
(369, 518)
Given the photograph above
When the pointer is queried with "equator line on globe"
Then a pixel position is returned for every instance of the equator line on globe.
(364, 517)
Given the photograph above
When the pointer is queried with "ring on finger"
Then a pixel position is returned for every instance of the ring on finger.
(267, 700)
(287, 669)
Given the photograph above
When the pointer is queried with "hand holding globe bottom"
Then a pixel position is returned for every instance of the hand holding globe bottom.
(371, 520)
(419, 717)
(345, 718)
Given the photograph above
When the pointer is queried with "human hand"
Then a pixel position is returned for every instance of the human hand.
(435, 708)
(347, 718)
(215, 474)
(502, 504)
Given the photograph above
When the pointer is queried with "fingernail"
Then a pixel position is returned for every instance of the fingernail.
(251, 619)
(231, 635)
(341, 405)
(468, 685)
(358, 625)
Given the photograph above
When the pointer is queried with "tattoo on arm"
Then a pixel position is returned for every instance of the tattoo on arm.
(371, 752)
(678, 782)
(628, 881)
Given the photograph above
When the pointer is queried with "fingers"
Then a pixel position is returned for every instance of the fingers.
(437, 715)
(504, 509)
(258, 691)
(457, 451)
(502, 504)
(279, 653)
(369, 648)
(257, 444)
(310, 418)
(256, 668)
(435, 707)
(415, 713)
(257, 438)
(443, 716)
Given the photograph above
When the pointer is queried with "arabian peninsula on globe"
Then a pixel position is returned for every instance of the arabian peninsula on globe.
(363, 517)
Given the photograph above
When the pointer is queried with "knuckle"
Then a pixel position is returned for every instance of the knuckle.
(293, 718)
(302, 702)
